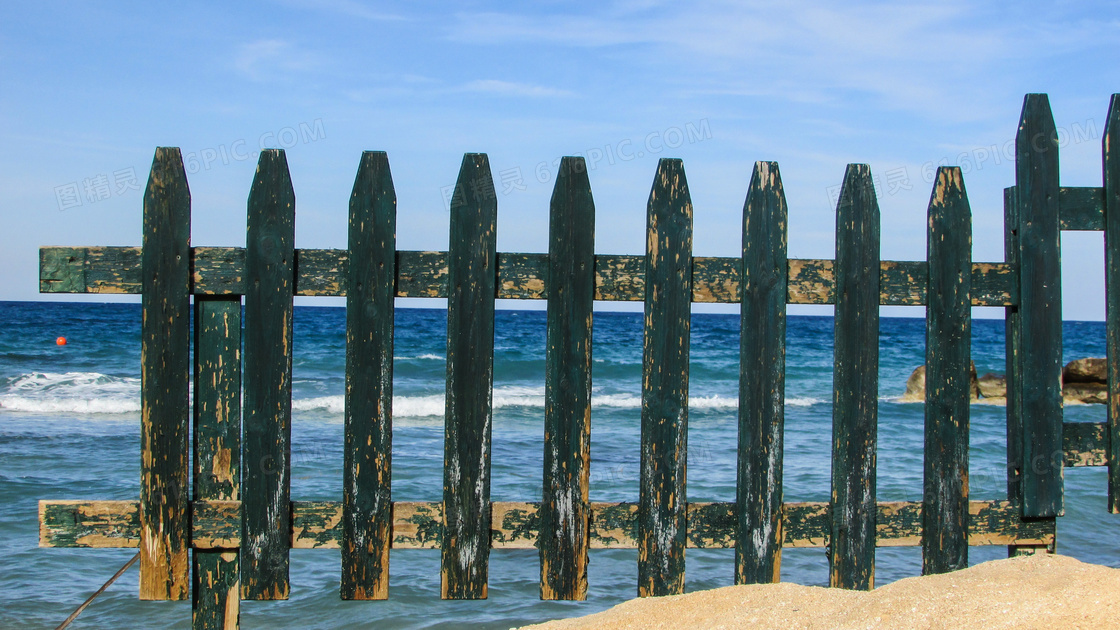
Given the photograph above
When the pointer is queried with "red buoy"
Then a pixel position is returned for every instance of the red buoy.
(60, 341)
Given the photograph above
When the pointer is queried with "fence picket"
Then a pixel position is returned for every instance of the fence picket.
(855, 382)
(472, 266)
(217, 451)
(762, 353)
(662, 516)
(367, 457)
(565, 508)
(165, 363)
(1111, 161)
(948, 388)
(1040, 313)
(267, 425)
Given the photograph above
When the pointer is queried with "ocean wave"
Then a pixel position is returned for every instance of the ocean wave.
(95, 393)
(524, 397)
(427, 356)
(71, 392)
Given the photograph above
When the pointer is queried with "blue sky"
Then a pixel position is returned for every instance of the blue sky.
(89, 90)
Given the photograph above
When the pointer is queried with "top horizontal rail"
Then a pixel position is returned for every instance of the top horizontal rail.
(321, 272)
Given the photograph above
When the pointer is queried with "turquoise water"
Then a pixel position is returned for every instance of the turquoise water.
(69, 429)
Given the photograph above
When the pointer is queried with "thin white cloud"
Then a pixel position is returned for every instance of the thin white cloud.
(272, 58)
(348, 8)
(509, 88)
(905, 57)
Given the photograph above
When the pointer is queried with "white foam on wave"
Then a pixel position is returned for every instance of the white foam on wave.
(95, 393)
(71, 392)
(427, 356)
(523, 397)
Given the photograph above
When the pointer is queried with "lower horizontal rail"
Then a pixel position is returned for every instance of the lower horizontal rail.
(417, 525)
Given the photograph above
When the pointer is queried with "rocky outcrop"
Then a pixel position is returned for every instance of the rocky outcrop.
(993, 385)
(1091, 370)
(1086, 381)
(916, 385)
(1083, 381)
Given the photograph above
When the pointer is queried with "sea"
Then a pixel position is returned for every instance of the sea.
(70, 429)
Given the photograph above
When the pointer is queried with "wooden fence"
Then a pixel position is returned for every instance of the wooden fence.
(238, 516)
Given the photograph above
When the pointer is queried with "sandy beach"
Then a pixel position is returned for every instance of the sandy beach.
(1041, 591)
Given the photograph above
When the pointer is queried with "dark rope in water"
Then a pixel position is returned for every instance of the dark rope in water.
(74, 615)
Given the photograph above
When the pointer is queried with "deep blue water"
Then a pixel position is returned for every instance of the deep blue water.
(69, 429)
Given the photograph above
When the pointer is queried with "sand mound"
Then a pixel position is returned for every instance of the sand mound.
(1042, 591)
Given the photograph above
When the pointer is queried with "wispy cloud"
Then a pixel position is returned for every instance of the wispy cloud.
(272, 58)
(348, 8)
(905, 57)
(509, 88)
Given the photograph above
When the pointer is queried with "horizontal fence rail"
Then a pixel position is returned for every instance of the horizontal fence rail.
(620, 277)
(230, 537)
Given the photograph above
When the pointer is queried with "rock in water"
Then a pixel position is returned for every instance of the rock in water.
(1096, 393)
(916, 385)
(993, 385)
(1091, 370)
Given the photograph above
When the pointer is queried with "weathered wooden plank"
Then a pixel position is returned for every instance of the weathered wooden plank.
(367, 457)
(320, 272)
(267, 426)
(948, 351)
(1085, 443)
(218, 270)
(421, 274)
(662, 519)
(1012, 355)
(217, 398)
(855, 383)
(1081, 208)
(216, 590)
(472, 260)
(565, 506)
(90, 270)
(165, 364)
(1040, 314)
(215, 582)
(93, 524)
(762, 367)
(1110, 148)
(419, 525)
